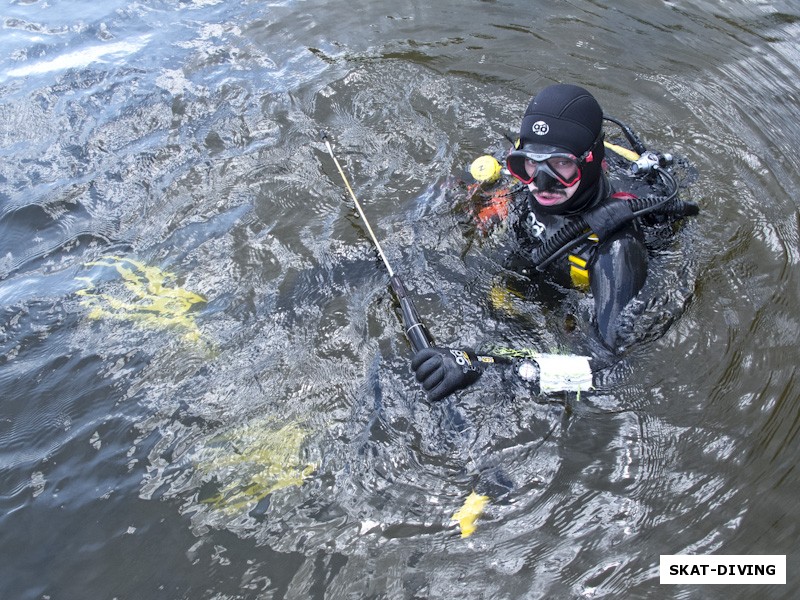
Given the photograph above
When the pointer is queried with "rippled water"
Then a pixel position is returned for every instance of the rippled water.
(205, 387)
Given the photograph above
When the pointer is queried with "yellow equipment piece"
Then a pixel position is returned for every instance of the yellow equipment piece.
(144, 297)
(578, 272)
(252, 462)
(485, 169)
(622, 151)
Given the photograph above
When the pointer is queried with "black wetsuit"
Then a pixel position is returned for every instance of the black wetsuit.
(613, 268)
(561, 146)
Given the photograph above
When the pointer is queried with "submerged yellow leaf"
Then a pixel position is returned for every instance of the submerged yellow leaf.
(501, 299)
(146, 297)
(254, 461)
(468, 514)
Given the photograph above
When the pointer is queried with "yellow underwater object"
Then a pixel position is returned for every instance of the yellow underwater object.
(146, 297)
(469, 513)
(500, 298)
(253, 461)
(505, 299)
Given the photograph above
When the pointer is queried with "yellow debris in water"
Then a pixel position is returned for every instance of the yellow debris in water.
(252, 462)
(146, 297)
(469, 513)
(500, 299)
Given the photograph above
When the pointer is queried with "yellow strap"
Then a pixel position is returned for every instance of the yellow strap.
(577, 260)
(578, 272)
(580, 277)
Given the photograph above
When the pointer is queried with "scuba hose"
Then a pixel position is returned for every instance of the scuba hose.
(416, 332)
(576, 231)
(634, 140)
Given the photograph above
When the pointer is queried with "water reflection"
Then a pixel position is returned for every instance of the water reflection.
(186, 138)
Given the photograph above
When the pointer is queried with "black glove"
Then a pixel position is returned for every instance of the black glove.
(442, 371)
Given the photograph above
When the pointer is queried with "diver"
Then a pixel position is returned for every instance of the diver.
(576, 227)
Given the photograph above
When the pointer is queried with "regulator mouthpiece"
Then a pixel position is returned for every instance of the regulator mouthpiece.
(485, 169)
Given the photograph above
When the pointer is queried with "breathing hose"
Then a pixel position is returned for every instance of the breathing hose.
(634, 140)
(576, 230)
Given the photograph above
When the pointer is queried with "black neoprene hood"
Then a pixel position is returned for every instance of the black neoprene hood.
(567, 117)
(562, 115)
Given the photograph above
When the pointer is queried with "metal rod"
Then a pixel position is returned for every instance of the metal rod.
(358, 207)
(416, 332)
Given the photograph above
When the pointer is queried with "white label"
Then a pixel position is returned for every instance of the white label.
(564, 372)
(723, 568)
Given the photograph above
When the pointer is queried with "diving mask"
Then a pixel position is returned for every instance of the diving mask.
(559, 165)
(530, 162)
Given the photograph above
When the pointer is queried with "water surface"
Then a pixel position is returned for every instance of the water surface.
(205, 387)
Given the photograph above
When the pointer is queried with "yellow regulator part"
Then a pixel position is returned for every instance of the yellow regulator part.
(485, 169)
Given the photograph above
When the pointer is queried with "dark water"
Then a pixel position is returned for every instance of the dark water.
(204, 385)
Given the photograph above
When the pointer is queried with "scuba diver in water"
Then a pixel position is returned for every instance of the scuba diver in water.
(577, 227)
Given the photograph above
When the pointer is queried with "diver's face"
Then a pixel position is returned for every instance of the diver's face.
(551, 175)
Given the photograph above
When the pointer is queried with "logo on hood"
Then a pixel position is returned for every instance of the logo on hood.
(540, 128)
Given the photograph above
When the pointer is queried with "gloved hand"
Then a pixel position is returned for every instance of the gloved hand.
(442, 371)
